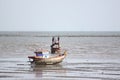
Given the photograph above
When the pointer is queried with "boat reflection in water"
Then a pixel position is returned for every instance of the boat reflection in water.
(43, 71)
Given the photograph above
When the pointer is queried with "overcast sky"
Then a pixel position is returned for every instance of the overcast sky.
(59, 15)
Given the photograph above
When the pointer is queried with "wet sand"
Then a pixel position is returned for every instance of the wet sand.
(89, 58)
(16, 69)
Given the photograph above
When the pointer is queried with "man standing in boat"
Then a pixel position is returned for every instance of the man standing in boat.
(55, 47)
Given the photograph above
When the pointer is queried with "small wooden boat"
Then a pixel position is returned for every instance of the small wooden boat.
(46, 57)
(43, 57)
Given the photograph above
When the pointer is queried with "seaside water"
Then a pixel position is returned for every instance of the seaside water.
(89, 57)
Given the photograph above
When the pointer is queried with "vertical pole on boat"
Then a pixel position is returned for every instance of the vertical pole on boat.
(52, 40)
(58, 42)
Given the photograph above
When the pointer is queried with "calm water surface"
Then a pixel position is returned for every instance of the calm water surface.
(89, 58)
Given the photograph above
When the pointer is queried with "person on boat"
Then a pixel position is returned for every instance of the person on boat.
(55, 45)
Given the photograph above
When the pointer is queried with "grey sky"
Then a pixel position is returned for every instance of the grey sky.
(59, 15)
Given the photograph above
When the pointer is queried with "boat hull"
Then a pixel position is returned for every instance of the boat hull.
(48, 61)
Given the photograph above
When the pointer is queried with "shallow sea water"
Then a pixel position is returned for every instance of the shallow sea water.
(89, 58)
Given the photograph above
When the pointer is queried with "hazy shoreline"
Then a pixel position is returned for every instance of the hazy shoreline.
(59, 33)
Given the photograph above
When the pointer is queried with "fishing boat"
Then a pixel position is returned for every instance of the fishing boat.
(45, 58)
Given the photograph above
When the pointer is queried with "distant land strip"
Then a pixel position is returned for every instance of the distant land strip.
(60, 34)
